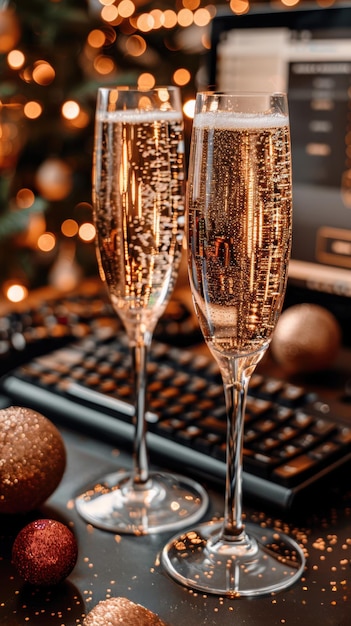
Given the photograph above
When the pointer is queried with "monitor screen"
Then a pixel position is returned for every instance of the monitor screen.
(306, 52)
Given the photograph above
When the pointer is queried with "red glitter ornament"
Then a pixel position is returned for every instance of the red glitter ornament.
(44, 552)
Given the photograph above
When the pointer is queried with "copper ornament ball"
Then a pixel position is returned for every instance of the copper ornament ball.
(32, 459)
(307, 339)
(44, 552)
(117, 611)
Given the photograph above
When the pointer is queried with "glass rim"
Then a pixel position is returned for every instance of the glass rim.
(244, 94)
(136, 89)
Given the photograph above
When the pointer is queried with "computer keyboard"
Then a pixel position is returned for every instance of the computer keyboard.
(291, 444)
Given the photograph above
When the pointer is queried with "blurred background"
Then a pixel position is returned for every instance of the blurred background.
(54, 54)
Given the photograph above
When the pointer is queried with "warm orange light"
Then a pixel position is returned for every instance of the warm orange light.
(202, 17)
(25, 198)
(181, 77)
(87, 231)
(109, 13)
(290, 3)
(189, 108)
(191, 4)
(126, 8)
(163, 94)
(185, 17)
(54, 179)
(136, 45)
(70, 109)
(169, 18)
(26, 75)
(15, 59)
(96, 38)
(146, 81)
(32, 110)
(46, 242)
(145, 22)
(16, 292)
(69, 228)
(81, 121)
(158, 17)
(43, 73)
(104, 65)
(239, 6)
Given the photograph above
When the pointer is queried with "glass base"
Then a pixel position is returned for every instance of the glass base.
(262, 562)
(165, 502)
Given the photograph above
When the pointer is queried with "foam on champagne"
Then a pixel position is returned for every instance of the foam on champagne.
(138, 116)
(229, 120)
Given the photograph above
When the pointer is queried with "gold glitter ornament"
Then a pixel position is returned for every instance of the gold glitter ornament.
(307, 339)
(32, 459)
(117, 611)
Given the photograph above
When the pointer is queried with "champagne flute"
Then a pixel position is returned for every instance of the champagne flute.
(138, 199)
(239, 239)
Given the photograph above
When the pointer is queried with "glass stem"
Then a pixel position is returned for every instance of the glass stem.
(141, 463)
(235, 392)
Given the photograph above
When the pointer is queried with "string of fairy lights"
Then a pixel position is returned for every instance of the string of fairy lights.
(121, 22)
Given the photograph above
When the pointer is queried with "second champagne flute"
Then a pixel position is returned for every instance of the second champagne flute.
(239, 237)
(138, 200)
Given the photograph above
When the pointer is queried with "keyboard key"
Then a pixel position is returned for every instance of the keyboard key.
(212, 424)
(289, 473)
(291, 395)
(343, 436)
(325, 450)
(323, 428)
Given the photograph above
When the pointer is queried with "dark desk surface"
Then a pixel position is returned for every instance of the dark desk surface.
(110, 565)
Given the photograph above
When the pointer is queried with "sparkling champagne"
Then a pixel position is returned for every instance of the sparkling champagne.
(239, 228)
(138, 197)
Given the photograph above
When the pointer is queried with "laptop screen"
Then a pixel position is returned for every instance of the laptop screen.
(306, 52)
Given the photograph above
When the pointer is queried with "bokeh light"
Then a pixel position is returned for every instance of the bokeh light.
(69, 227)
(15, 292)
(181, 77)
(109, 13)
(16, 59)
(202, 17)
(146, 81)
(47, 242)
(104, 65)
(126, 8)
(25, 198)
(96, 38)
(136, 45)
(43, 73)
(32, 109)
(70, 109)
(145, 22)
(239, 6)
(185, 17)
(189, 108)
(169, 18)
(87, 232)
